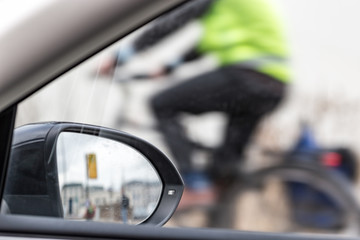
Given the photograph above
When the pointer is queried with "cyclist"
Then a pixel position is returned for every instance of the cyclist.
(247, 40)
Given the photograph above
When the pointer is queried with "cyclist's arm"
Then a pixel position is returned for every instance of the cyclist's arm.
(161, 28)
(170, 23)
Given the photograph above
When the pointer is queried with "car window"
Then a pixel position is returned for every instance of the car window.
(254, 103)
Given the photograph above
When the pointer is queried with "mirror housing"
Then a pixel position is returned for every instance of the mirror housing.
(32, 185)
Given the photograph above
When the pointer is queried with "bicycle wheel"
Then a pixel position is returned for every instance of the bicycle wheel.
(291, 197)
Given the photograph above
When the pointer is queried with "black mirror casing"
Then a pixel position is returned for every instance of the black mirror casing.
(32, 186)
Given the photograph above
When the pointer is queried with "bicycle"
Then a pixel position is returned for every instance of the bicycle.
(261, 200)
(268, 190)
(339, 214)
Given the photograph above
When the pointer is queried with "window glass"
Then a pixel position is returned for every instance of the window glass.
(256, 102)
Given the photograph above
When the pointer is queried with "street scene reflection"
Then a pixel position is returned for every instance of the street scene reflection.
(104, 180)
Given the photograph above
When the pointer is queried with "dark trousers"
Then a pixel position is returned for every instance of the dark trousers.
(244, 95)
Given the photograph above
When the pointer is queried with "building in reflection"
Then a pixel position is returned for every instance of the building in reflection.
(143, 195)
(143, 198)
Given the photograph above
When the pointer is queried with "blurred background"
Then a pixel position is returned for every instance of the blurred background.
(323, 39)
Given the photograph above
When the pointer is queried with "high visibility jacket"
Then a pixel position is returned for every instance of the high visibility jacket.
(246, 32)
(243, 32)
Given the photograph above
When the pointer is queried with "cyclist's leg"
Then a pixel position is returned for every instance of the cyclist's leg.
(245, 95)
(204, 93)
(259, 95)
(238, 132)
(212, 91)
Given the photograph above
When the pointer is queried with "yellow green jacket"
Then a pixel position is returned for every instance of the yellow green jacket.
(243, 32)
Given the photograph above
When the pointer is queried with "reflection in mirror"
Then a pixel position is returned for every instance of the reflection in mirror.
(105, 180)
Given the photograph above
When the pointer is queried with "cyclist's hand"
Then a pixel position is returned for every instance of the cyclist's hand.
(107, 66)
(122, 56)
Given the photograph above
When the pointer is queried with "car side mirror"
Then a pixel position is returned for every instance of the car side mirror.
(83, 172)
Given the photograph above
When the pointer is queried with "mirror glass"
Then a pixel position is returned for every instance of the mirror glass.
(105, 180)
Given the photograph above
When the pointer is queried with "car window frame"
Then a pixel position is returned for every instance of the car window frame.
(27, 226)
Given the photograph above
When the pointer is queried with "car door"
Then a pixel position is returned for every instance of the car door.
(47, 46)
